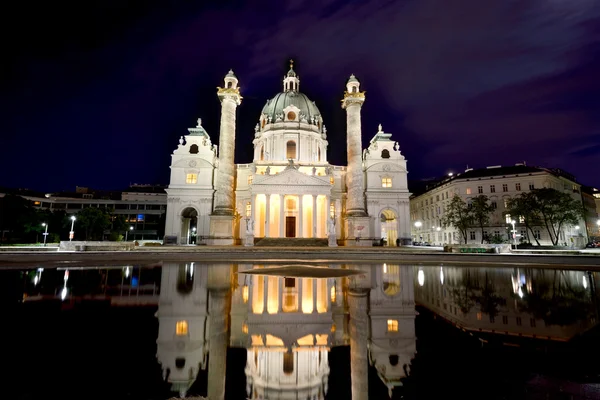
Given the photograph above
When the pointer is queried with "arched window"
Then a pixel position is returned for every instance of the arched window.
(290, 149)
(264, 121)
(354, 89)
(291, 116)
(288, 363)
(394, 360)
(385, 153)
(391, 279)
(229, 84)
(194, 149)
(262, 153)
(319, 154)
(185, 279)
(180, 363)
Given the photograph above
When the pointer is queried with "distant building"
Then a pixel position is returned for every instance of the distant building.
(143, 206)
(589, 199)
(499, 184)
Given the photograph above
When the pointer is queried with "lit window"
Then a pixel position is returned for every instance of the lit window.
(521, 219)
(468, 190)
(386, 182)
(479, 316)
(508, 219)
(331, 180)
(36, 203)
(244, 328)
(181, 328)
(392, 325)
(333, 294)
(250, 179)
(191, 178)
(291, 149)
(245, 293)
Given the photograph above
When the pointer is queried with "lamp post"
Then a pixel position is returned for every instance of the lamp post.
(45, 233)
(514, 233)
(72, 232)
(126, 232)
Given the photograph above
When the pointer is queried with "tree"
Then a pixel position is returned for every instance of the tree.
(16, 215)
(458, 214)
(556, 209)
(524, 207)
(480, 212)
(93, 221)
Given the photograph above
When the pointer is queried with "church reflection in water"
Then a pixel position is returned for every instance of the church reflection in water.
(287, 319)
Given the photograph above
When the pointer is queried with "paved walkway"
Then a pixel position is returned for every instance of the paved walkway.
(277, 255)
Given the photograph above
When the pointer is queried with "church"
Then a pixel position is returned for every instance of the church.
(289, 189)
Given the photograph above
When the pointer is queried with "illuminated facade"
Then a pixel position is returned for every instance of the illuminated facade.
(289, 190)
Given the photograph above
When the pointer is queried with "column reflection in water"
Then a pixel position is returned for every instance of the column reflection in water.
(513, 302)
(193, 313)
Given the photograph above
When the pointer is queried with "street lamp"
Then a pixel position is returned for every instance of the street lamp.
(126, 232)
(46, 232)
(514, 232)
(72, 233)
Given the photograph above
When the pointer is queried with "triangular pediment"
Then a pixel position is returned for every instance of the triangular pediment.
(291, 176)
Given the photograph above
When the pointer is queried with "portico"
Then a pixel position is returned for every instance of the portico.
(280, 214)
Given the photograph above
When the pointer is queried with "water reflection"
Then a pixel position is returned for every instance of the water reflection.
(285, 323)
(551, 304)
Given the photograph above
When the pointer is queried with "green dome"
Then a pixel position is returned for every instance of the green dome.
(282, 100)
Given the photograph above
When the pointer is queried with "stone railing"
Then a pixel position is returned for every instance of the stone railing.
(96, 246)
(477, 248)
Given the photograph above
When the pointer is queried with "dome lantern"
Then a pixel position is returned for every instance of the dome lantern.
(291, 82)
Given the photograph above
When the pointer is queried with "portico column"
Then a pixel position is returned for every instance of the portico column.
(314, 216)
(253, 210)
(217, 342)
(281, 215)
(359, 328)
(314, 296)
(300, 217)
(280, 286)
(266, 287)
(327, 214)
(267, 215)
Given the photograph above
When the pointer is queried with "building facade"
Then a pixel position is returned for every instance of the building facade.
(289, 190)
(499, 184)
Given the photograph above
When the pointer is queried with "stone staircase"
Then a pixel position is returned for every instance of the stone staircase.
(291, 242)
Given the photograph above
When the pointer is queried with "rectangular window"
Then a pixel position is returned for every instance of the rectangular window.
(468, 190)
(386, 182)
(538, 234)
(518, 187)
(479, 189)
(532, 322)
(494, 205)
(505, 187)
(392, 325)
(492, 188)
(472, 235)
(508, 219)
(505, 203)
(191, 178)
(437, 197)
(479, 316)
(531, 186)
(492, 319)
(496, 233)
(521, 219)
(519, 323)
(505, 320)
(181, 328)
(290, 282)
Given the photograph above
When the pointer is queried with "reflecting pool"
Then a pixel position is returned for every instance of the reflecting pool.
(323, 331)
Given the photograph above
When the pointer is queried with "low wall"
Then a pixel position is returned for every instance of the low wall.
(96, 246)
(477, 248)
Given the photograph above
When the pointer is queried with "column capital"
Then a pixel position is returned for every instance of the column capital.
(353, 98)
(358, 292)
(230, 94)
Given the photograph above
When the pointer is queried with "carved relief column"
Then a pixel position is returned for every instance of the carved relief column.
(217, 350)
(300, 218)
(221, 227)
(359, 328)
(352, 103)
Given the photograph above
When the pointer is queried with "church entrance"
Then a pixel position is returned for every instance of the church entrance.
(189, 226)
(389, 232)
(290, 227)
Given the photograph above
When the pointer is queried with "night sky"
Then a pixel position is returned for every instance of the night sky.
(97, 93)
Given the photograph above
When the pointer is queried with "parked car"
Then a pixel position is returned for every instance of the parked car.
(593, 245)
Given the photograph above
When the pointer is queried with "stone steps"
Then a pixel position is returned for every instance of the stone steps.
(291, 242)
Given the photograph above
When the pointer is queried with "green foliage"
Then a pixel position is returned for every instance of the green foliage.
(496, 239)
(17, 218)
(115, 237)
(458, 215)
(548, 208)
(480, 212)
(93, 221)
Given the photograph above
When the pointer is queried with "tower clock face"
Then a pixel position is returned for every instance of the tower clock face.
(192, 163)
(291, 116)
